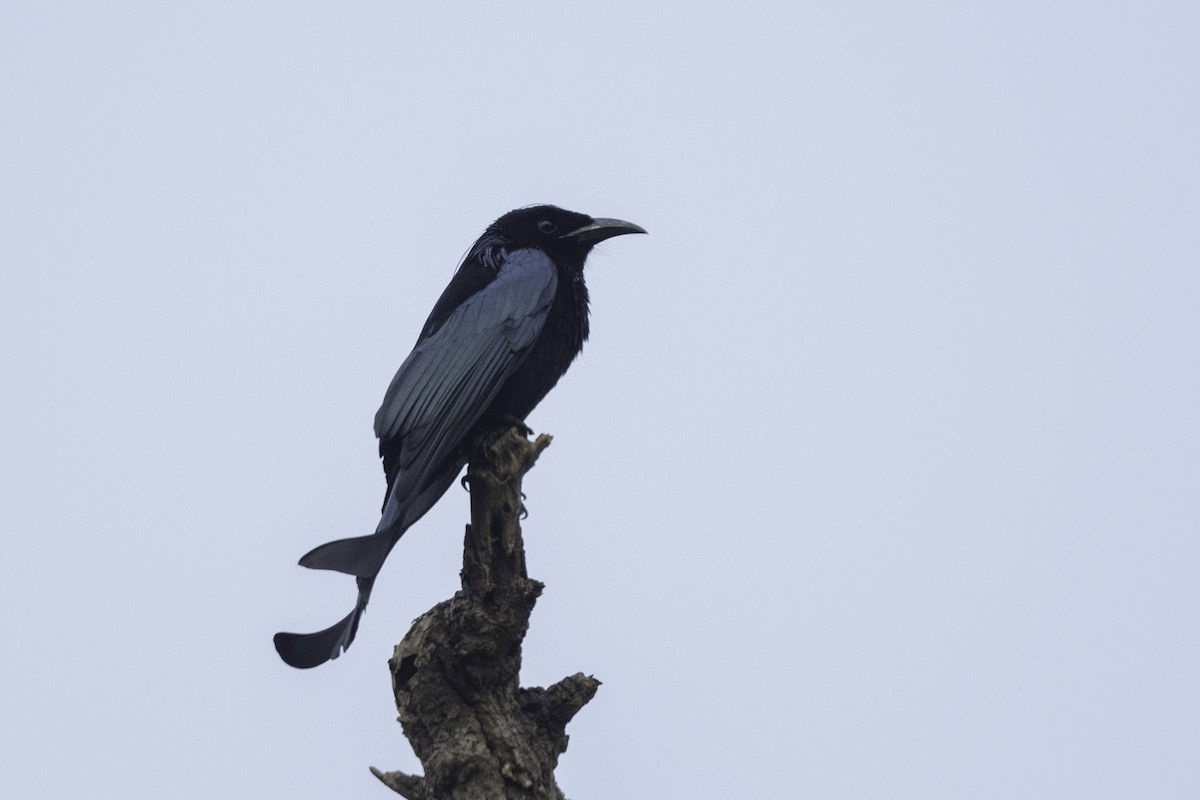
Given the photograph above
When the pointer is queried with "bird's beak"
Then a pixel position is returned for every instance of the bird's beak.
(600, 229)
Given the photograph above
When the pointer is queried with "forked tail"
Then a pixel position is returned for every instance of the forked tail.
(361, 556)
(308, 650)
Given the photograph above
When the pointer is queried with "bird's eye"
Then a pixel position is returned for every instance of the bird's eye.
(546, 226)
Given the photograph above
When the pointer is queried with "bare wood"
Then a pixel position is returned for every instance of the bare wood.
(455, 674)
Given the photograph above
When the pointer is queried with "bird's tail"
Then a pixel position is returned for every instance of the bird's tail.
(308, 650)
(361, 556)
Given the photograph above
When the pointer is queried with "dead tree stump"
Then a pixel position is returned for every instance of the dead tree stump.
(455, 675)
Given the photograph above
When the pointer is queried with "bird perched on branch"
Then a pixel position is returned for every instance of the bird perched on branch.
(503, 332)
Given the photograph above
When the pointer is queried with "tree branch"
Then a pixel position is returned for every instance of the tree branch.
(455, 674)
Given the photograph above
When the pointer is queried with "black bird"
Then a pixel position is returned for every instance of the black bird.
(503, 332)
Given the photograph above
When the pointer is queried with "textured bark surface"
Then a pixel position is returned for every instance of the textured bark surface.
(455, 675)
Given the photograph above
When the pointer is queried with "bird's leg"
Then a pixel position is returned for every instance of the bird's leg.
(503, 424)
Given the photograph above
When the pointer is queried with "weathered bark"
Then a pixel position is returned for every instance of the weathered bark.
(455, 675)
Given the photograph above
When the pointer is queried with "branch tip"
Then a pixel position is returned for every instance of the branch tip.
(411, 787)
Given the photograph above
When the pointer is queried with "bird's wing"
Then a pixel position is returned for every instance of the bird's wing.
(451, 377)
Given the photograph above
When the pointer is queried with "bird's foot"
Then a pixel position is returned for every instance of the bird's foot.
(504, 425)
(519, 424)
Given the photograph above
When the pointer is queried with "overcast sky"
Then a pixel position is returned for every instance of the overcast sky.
(879, 478)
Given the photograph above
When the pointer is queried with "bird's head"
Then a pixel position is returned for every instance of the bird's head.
(557, 230)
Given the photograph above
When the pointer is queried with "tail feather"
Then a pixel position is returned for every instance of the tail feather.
(308, 650)
(361, 556)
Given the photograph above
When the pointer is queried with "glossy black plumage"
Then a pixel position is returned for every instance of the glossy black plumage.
(503, 332)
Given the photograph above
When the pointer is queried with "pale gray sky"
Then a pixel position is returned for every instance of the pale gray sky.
(878, 478)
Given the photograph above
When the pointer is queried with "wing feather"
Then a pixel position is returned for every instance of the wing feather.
(451, 377)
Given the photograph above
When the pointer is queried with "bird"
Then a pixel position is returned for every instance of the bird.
(505, 329)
